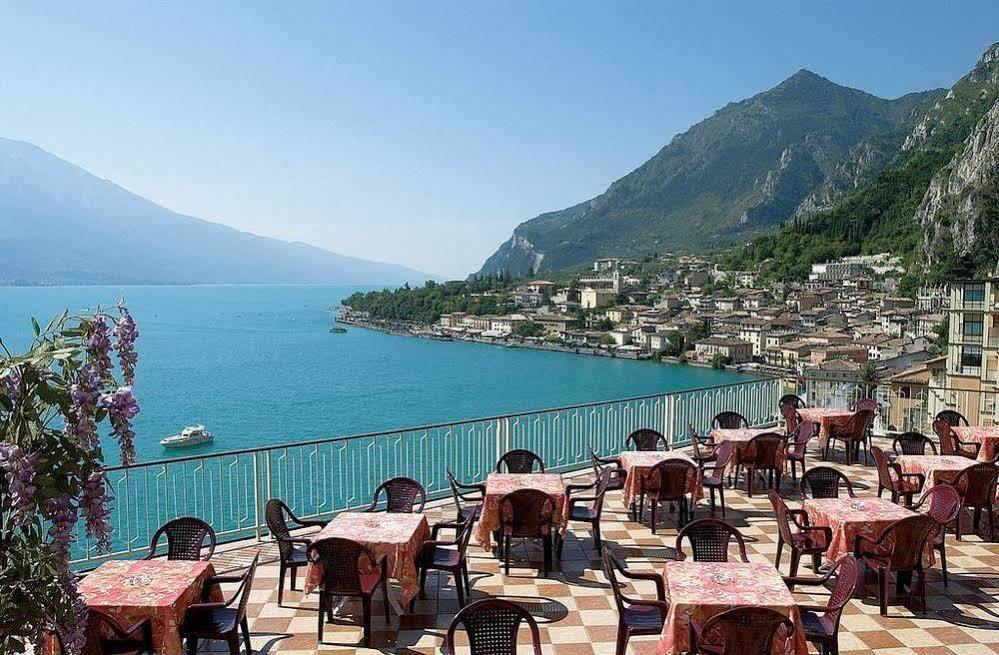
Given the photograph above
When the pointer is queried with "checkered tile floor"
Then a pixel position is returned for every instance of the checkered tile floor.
(575, 609)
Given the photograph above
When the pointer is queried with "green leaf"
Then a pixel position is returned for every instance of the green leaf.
(37, 328)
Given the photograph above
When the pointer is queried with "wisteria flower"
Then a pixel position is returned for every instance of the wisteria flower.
(122, 408)
(125, 334)
(73, 631)
(19, 471)
(99, 345)
(84, 395)
(63, 517)
(94, 504)
(12, 382)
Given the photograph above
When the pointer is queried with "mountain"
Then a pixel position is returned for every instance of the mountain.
(747, 168)
(61, 225)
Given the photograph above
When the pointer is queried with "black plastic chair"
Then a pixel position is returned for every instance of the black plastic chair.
(646, 439)
(613, 464)
(291, 550)
(527, 514)
(492, 625)
(729, 421)
(186, 539)
(824, 482)
(821, 622)
(221, 620)
(740, 631)
(709, 540)
(468, 498)
(115, 639)
(448, 556)
(520, 461)
(342, 575)
(636, 616)
(913, 443)
(952, 418)
(591, 513)
(402, 496)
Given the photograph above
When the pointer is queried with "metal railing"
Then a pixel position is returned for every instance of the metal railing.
(229, 490)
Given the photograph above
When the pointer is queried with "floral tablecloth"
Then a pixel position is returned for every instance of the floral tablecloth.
(637, 464)
(399, 537)
(988, 437)
(937, 468)
(740, 438)
(851, 517)
(158, 589)
(500, 484)
(827, 418)
(699, 590)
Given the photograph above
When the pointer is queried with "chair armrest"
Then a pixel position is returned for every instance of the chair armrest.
(444, 525)
(648, 577)
(795, 514)
(824, 529)
(195, 607)
(311, 523)
(294, 540)
(659, 603)
(918, 476)
(818, 609)
(372, 507)
(570, 488)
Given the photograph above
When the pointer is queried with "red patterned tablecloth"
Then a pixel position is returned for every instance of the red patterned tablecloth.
(638, 463)
(399, 537)
(851, 517)
(158, 589)
(988, 437)
(699, 590)
(500, 484)
(937, 468)
(826, 417)
(740, 437)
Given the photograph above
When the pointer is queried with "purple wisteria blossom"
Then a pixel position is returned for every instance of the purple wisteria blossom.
(94, 504)
(19, 471)
(74, 631)
(12, 381)
(125, 335)
(122, 408)
(84, 395)
(99, 345)
(63, 517)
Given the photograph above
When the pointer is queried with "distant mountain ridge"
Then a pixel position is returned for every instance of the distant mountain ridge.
(744, 170)
(60, 224)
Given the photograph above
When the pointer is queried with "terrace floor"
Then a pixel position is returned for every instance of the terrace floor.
(575, 609)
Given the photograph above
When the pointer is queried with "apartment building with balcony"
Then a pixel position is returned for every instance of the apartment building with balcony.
(973, 344)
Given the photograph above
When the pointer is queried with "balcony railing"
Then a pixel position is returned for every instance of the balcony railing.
(229, 490)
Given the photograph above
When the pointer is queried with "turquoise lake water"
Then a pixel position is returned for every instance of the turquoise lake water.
(258, 366)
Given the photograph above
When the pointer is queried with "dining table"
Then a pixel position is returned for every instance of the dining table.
(499, 485)
(849, 518)
(398, 536)
(700, 590)
(987, 436)
(740, 438)
(827, 418)
(159, 589)
(638, 463)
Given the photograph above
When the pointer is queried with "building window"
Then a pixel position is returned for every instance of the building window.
(971, 360)
(905, 392)
(974, 292)
(973, 327)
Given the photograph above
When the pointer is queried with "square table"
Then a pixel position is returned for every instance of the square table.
(500, 484)
(700, 590)
(638, 463)
(158, 589)
(740, 438)
(827, 418)
(988, 437)
(398, 536)
(851, 517)
(935, 468)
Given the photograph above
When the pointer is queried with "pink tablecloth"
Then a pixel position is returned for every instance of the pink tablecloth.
(851, 517)
(156, 589)
(637, 464)
(740, 438)
(399, 537)
(936, 468)
(827, 418)
(988, 437)
(500, 484)
(699, 590)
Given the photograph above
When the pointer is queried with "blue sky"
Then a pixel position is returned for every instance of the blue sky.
(422, 133)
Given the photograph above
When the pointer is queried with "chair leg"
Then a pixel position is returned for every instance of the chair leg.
(547, 544)
(506, 553)
(464, 572)
(294, 578)
(795, 559)
(232, 640)
(385, 600)
(883, 591)
(596, 536)
(750, 475)
(459, 587)
(780, 551)
(622, 638)
(366, 609)
(712, 500)
(721, 497)
(943, 558)
(655, 505)
(281, 573)
(245, 625)
(322, 622)
(192, 645)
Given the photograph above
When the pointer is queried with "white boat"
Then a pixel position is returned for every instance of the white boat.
(192, 435)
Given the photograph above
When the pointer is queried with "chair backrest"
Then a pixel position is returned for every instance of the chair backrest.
(744, 631)
(791, 400)
(943, 503)
(245, 586)
(112, 636)
(780, 513)
(186, 539)
(453, 484)
(946, 436)
(274, 512)
(824, 482)
(913, 443)
(464, 535)
(866, 404)
(885, 468)
(952, 418)
(709, 540)
(611, 566)
(847, 571)
(600, 492)
(858, 425)
(723, 455)
(977, 484)
(670, 478)
(527, 512)
(340, 561)
(646, 439)
(764, 450)
(907, 538)
(520, 461)
(803, 434)
(492, 625)
(402, 495)
(791, 418)
(729, 421)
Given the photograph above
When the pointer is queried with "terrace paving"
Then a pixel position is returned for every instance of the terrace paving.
(575, 609)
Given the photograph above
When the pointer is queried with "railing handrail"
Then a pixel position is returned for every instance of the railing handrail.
(882, 383)
(434, 426)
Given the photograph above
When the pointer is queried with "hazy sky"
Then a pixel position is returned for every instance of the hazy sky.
(422, 133)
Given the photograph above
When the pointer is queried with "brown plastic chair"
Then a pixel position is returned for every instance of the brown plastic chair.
(952, 418)
(950, 444)
(613, 464)
(713, 477)
(853, 434)
(448, 556)
(344, 574)
(520, 461)
(977, 487)
(646, 439)
(805, 539)
(820, 623)
(899, 549)
(791, 418)
(703, 450)
(913, 443)
(709, 540)
(186, 539)
(635, 616)
(527, 514)
(468, 498)
(824, 482)
(668, 482)
(291, 550)
(740, 631)
(402, 496)
(762, 454)
(115, 639)
(492, 625)
(791, 400)
(890, 477)
(221, 620)
(729, 421)
(591, 514)
(943, 505)
(797, 445)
